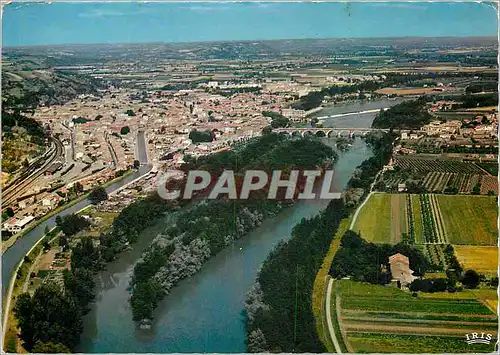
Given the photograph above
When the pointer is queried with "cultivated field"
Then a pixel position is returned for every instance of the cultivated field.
(429, 219)
(469, 219)
(382, 219)
(377, 318)
(480, 258)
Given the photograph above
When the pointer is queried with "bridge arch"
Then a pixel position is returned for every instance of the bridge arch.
(320, 133)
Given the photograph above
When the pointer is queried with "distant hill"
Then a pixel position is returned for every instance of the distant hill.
(29, 81)
(92, 54)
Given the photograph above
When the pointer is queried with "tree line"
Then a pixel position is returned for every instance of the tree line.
(279, 305)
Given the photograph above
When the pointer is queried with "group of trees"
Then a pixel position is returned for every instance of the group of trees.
(97, 195)
(201, 136)
(71, 224)
(277, 119)
(406, 115)
(207, 227)
(51, 319)
(481, 100)
(368, 262)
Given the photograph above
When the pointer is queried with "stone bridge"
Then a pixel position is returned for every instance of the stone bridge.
(329, 131)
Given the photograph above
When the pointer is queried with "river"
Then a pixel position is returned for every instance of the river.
(204, 313)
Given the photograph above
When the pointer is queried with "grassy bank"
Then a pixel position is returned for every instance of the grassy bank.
(320, 286)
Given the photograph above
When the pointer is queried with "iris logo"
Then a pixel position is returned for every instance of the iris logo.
(475, 338)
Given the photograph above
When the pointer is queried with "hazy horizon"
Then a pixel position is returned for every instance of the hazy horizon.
(41, 24)
(247, 40)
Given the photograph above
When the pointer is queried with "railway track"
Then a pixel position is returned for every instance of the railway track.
(16, 189)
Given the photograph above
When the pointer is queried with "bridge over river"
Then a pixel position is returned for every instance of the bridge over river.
(329, 131)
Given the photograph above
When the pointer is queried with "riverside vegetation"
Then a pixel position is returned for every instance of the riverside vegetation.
(205, 228)
(279, 305)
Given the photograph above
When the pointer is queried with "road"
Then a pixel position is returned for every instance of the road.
(331, 329)
(16, 189)
(141, 148)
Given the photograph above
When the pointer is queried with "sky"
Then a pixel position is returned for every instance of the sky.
(133, 22)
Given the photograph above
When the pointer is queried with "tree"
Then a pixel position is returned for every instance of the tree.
(46, 245)
(199, 136)
(98, 194)
(80, 282)
(10, 212)
(130, 112)
(85, 255)
(476, 189)
(72, 224)
(137, 164)
(50, 348)
(63, 242)
(125, 130)
(266, 130)
(470, 279)
(78, 188)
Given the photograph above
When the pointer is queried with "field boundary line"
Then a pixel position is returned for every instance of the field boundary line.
(355, 217)
(338, 312)
(331, 329)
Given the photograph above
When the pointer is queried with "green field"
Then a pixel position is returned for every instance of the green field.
(374, 219)
(398, 343)
(417, 216)
(453, 219)
(469, 219)
(386, 319)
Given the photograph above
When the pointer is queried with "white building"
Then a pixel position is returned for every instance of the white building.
(16, 226)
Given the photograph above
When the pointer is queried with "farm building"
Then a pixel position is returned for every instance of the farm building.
(400, 269)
